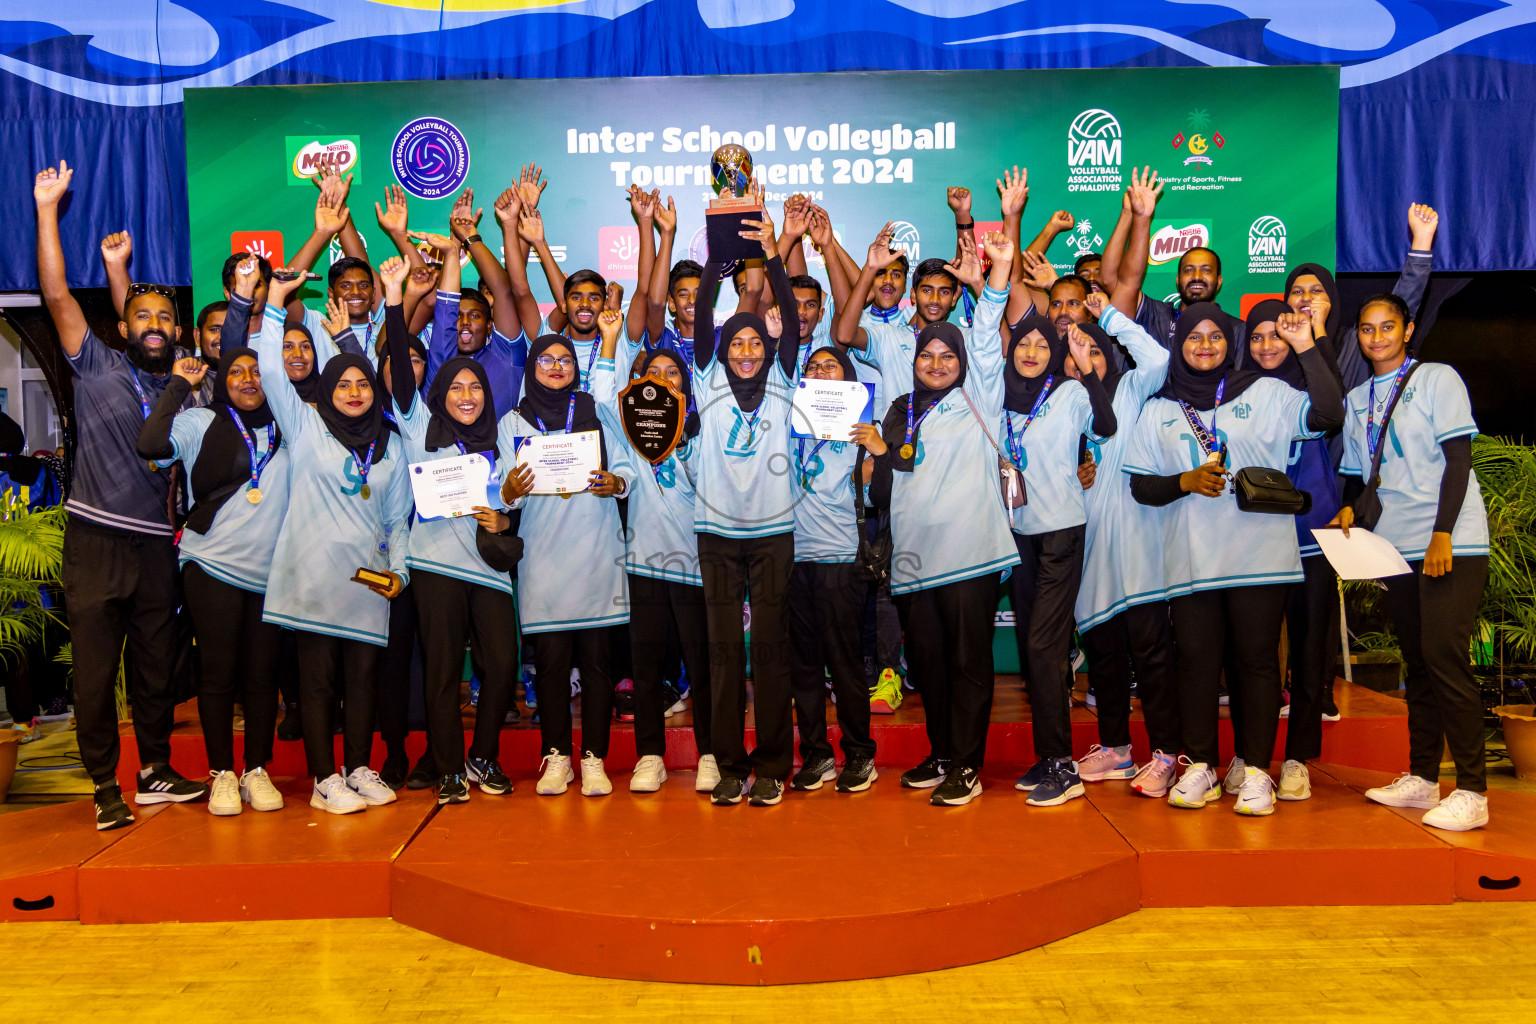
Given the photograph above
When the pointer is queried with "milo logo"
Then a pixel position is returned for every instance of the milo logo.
(308, 156)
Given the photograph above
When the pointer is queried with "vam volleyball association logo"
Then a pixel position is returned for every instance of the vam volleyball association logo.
(1094, 152)
(430, 158)
(1266, 246)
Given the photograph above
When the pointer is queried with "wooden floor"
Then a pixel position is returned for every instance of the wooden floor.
(1465, 962)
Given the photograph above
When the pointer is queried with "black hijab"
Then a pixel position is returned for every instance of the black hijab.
(354, 432)
(416, 346)
(685, 385)
(1198, 387)
(849, 373)
(894, 429)
(14, 460)
(309, 387)
(749, 391)
(1289, 369)
(443, 429)
(1020, 392)
(1325, 276)
(1112, 371)
(223, 463)
(542, 403)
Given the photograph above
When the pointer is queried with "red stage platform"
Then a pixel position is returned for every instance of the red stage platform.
(825, 886)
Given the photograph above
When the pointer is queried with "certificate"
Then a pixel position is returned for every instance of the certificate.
(449, 488)
(828, 409)
(561, 463)
(1360, 556)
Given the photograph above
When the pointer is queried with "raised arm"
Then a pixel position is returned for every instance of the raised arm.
(508, 207)
(351, 242)
(155, 435)
(959, 200)
(331, 214)
(1144, 192)
(48, 188)
(605, 381)
(846, 330)
(1323, 385)
(115, 251)
(643, 205)
(704, 315)
(832, 255)
(797, 221)
(1103, 423)
(661, 275)
(530, 227)
(402, 382)
(1109, 270)
(287, 407)
(464, 222)
(394, 221)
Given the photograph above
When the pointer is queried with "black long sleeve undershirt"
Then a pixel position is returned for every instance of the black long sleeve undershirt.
(402, 385)
(155, 435)
(1453, 484)
(1104, 422)
(237, 322)
(704, 315)
(1324, 389)
(1156, 490)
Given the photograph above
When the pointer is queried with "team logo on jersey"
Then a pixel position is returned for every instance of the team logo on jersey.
(308, 156)
(904, 238)
(430, 157)
(1170, 242)
(1266, 246)
(1094, 152)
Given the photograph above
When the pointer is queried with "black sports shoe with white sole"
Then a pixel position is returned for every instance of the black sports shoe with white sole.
(857, 775)
(728, 791)
(960, 787)
(926, 775)
(162, 784)
(111, 811)
(451, 790)
(815, 771)
(487, 774)
(766, 792)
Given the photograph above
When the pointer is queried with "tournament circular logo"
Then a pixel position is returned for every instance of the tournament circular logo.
(430, 157)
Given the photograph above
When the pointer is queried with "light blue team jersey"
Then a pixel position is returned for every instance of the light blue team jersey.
(1047, 453)
(331, 530)
(661, 542)
(947, 518)
(572, 573)
(1208, 543)
(826, 529)
(237, 548)
(745, 474)
(444, 546)
(1434, 408)
(893, 345)
(1121, 564)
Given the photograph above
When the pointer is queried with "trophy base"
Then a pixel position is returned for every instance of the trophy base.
(723, 223)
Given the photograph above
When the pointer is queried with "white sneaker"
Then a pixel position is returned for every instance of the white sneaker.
(1407, 790)
(1236, 773)
(257, 790)
(365, 782)
(224, 794)
(1256, 796)
(557, 774)
(1295, 783)
(677, 708)
(1197, 787)
(594, 781)
(708, 775)
(1459, 812)
(649, 774)
(1285, 711)
(575, 681)
(333, 794)
(1331, 718)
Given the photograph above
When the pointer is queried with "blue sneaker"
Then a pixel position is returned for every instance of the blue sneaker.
(530, 695)
(1059, 784)
(474, 691)
(682, 681)
(1032, 778)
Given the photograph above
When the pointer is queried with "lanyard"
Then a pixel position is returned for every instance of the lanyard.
(138, 388)
(570, 418)
(906, 447)
(752, 421)
(1206, 436)
(1373, 432)
(1013, 447)
(885, 316)
(363, 465)
(805, 477)
(250, 446)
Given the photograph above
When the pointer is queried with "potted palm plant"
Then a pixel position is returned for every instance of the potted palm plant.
(1506, 472)
(31, 555)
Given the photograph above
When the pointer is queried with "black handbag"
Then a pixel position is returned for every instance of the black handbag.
(1367, 507)
(1261, 489)
(873, 560)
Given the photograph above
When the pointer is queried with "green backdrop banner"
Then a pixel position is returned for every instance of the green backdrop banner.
(1249, 156)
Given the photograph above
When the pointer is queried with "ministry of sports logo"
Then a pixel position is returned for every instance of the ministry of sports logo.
(1094, 152)
(904, 238)
(430, 157)
(1266, 246)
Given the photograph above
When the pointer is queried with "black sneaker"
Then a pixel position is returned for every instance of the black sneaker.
(111, 811)
(857, 775)
(424, 775)
(815, 771)
(926, 775)
(766, 792)
(728, 791)
(451, 790)
(290, 728)
(514, 716)
(487, 773)
(162, 784)
(961, 786)
(396, 766)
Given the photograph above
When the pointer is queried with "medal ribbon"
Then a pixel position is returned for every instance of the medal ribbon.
(133, 375)
(250, 446)
(365, 463)
(1014, 451)
(570, 418)
(801, 461)
(1205, 437)
(912, 427)
(1372, 431)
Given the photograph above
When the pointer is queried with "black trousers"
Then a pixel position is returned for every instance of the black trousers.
(120, 585)
(400, 673)
(881, 631)
(1312, 633)
(826, 607)
(323, 661)
(657, 608)
(237, 656)
(1433, 618)
(451, 613)
(591, 651)
(732, 568)
(1043, 591)
(1140, 636)
(1246, 620)
(949, 654)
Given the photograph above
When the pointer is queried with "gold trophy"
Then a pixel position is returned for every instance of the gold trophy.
(730, 173)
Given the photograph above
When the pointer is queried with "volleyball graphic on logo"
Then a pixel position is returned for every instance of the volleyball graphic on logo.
(1094, 124)
(430, 157)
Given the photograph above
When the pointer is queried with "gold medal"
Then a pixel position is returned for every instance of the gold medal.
(907, 451)
(150, 465)
(253, 496)
(566, 495)
(366, 492)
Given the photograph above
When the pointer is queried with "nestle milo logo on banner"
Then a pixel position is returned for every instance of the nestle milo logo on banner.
(1094, 149)
(1170, 242)
(308, 156)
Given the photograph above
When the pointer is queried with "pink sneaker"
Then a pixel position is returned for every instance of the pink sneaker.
(1102, 763)
(1155, 776)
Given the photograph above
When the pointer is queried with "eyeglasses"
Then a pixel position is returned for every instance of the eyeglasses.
(156, 289)
(547, 362)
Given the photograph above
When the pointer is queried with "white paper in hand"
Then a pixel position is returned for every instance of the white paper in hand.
(1360, 556)
(828, 410)
(452, 487)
